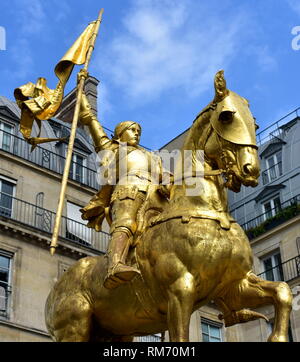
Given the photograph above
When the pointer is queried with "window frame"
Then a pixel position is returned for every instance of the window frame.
(274, 208)
(276, 268)
(276, 167)
(87, 238)
(211, 323)
(14, 183)
(5, 312)
(74, 164)
(12, 126)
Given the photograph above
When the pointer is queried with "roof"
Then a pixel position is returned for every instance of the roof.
(11, 105)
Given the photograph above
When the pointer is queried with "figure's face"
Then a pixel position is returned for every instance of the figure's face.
(132, 135)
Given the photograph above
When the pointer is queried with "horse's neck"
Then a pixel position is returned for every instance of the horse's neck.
(212, 194)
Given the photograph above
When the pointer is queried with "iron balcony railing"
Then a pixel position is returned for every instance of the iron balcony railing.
(286, 271)
(275, 130)
(47, 159)
(272, 173)
(272, 218)
(149, 338)
(42, 219)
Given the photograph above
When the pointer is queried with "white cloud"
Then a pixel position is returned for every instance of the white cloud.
(295, 5)
(31, 16)
(264, 59)
(103, 102)
(22, 57)
(166, 45)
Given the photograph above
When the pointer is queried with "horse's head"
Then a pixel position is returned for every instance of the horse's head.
(232, 145)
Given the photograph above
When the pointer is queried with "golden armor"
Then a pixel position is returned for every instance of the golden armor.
(134, 169)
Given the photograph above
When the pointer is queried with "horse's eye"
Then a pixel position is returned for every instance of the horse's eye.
(226, 117)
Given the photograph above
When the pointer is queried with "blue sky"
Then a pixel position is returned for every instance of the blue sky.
(156, 59)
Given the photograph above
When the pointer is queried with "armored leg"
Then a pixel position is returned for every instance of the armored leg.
(126, 202)
(118, 272)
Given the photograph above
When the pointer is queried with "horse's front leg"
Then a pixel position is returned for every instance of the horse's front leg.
(181, 297)
(253, 292)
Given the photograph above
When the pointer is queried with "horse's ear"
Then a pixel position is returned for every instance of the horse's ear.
(220, 86)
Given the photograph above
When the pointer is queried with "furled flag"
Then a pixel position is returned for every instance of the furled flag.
(38, 102)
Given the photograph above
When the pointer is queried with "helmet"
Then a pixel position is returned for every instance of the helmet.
(122, 127)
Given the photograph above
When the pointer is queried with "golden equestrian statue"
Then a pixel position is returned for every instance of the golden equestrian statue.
(189, 250)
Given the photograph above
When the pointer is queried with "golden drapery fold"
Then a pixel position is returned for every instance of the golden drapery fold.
(38, 102)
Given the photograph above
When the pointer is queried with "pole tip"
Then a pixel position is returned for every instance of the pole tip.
(52, 250)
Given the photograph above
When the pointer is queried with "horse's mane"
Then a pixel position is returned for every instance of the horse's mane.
(199, 131)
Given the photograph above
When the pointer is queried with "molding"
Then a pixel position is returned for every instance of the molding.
(11, 324)
(276, 230)
(45, 171)
(275, 145)
(6, 112)
(268, 191)
(40, 239)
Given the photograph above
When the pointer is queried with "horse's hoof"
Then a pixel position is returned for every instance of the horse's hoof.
(276, 338)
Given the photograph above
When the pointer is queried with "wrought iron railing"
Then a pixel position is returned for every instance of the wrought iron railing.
(47, 159)
(263, 222)
(149, 338)
(275, 130)
(42, 219)
(272, 173)
(286, 271)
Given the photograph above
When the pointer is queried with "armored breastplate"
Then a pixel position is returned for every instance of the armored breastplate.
(141, 165)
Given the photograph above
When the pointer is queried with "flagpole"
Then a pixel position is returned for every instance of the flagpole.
(80, 87)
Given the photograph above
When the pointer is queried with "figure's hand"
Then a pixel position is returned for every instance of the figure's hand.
(86, 114)
(82, 74)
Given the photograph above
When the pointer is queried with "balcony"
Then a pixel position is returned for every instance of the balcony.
(277, 130)
(41, 219)
(263, 222)
(286, 271)
(47, 159)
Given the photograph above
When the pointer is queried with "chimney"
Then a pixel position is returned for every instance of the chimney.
(67, 107)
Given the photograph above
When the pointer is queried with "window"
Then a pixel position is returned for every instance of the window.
(272, 207)
(6, 196)
(43, 218)
(6, 132)
(78, 168)
(211, 331)
(274, 167)
(5, 268)
(76, 228)
(272, 267)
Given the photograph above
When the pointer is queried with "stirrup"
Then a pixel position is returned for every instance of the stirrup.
(119, 274)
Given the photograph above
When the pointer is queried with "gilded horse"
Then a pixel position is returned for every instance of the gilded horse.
(191, 253)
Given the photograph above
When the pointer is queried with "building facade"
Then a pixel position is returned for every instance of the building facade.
(270, 216)
(29, 189)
